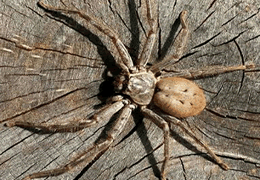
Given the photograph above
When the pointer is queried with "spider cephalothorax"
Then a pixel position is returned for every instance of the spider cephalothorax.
(138, 85)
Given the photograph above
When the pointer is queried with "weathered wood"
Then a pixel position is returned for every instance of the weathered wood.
(56, 71)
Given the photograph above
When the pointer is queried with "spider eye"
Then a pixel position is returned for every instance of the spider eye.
(157, 90)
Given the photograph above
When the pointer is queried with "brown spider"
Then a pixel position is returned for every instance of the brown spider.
(140, 86)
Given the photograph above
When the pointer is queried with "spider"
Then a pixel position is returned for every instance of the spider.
(139, 87)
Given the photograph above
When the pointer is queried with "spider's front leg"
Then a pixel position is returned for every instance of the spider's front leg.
(148, 46)
(74, 126)
(92, 152)
(125, 62)
(161, 123)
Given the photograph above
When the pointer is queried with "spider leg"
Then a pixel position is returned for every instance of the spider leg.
(180, 44)
(207, 72)
(125, 63)
(148, 46)
(72, 126)
(92, 152)
(161, 123)
(198, 140)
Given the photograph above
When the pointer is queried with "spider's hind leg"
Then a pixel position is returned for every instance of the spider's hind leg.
(208, 71)
(179, 123)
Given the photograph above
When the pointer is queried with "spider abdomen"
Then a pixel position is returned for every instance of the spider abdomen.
(179, 97)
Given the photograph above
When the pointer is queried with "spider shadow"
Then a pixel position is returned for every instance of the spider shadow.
(190, 146)
(138, 117)
(142, 134)
(169, 40)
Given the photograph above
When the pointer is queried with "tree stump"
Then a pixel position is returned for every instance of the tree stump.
(53, 69)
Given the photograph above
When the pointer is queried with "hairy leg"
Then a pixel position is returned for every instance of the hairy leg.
(125, 63)
(198, 140)
(92, 152)
(161, 123)
(148, 46)
(180, 44)
(75, 125)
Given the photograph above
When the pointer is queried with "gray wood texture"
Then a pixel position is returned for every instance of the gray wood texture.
(55, 70)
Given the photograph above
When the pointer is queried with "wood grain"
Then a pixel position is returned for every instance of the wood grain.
(54, 69)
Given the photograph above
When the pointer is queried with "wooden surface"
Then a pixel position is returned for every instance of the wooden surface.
(55, 70)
